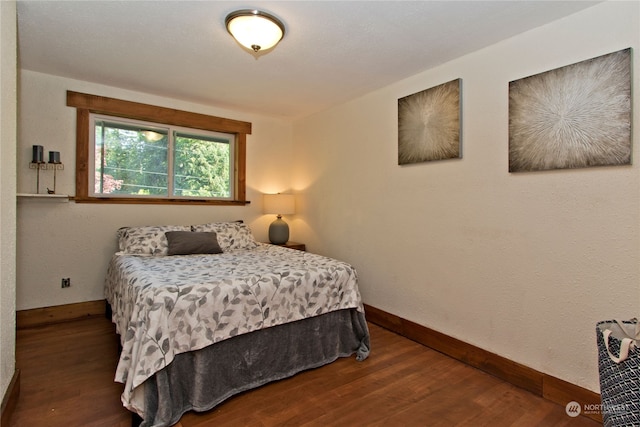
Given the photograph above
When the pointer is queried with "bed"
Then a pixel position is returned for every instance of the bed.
(205, 312)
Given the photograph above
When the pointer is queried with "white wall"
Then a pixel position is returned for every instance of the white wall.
(522, 265)
(8, 79)
(59, 239)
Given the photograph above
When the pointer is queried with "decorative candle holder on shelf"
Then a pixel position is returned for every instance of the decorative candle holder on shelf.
(37, 165)
(56, 167)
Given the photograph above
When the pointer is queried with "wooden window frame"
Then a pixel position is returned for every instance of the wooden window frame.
(86, 104)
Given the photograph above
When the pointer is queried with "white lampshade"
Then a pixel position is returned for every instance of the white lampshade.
(254, 29)
(279, 204)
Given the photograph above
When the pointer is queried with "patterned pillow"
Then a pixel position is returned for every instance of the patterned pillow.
(231, 235)
(148, 240)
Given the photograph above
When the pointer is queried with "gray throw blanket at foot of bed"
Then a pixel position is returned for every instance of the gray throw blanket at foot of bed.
(202, 379)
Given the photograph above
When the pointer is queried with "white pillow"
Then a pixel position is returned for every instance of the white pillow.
(148, 240)
(231, 235)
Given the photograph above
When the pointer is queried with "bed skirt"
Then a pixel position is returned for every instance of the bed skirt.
(202, 379)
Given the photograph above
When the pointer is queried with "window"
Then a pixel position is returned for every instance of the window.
(141, 159)
(137, 153)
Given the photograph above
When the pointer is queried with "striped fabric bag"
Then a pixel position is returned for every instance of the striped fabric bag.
(619, 369)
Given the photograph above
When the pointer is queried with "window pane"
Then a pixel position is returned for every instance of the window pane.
(201, 166)
(130, 160)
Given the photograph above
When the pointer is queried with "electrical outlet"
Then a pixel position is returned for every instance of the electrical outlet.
(66, 282)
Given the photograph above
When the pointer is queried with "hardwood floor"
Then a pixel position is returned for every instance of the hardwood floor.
(67, 380)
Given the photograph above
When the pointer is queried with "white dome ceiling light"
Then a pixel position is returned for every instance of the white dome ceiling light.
(254, 29)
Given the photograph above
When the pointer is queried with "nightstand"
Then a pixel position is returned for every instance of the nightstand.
(294, 245)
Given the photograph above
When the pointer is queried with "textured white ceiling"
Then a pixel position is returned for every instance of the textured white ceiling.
(333, 51)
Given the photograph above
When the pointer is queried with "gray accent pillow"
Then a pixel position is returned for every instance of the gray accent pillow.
(189, 242)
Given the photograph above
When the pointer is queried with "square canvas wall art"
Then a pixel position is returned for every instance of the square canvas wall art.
(576, 116)
(429, 124)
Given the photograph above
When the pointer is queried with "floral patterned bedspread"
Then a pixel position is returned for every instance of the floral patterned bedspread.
(166, 305)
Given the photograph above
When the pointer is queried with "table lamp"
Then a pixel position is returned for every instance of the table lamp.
(279, 204)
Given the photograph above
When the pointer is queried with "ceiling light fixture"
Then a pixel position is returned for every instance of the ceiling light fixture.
(254, 29)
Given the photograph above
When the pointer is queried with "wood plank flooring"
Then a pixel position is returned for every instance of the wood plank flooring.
(67, 374)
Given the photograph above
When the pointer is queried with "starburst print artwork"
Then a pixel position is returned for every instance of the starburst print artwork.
(429, 124)
(572, 117)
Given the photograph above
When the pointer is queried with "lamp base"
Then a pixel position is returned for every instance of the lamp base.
(279, 232)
